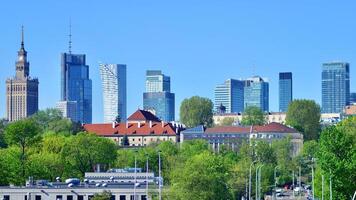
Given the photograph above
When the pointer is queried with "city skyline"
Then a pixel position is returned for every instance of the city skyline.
(189, 57)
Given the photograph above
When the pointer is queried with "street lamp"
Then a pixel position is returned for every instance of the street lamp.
(146, 175)
(160, 175)
(257, 170)
(259, 183)
(275, 180)
(249, 181)
(135, 174)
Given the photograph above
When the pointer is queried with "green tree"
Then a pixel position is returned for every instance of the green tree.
(196, 111)
(253, 116)
(203, 176)
(105, 195)
(336, 158)
(304, 115)
(22, 133)
(3, 124)
(45, 117)
(10, 166)
(83, 151)
(227, 121)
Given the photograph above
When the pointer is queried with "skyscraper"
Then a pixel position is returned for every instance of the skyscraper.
(68, 110)
(335, 86)
(230, 94)
(113, 77)
(285, 90)
(158, 97)
(256, 93)
(21, 90)
(353, 98)
(76, 85)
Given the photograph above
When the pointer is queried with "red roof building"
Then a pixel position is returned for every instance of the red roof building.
(141, 129)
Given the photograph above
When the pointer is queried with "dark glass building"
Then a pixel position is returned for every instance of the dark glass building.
(256, 93)
(158, 98)
(335, 86)
(76, 85)
(285, 90)
(352, 97)
(160, 104)
(230, 94)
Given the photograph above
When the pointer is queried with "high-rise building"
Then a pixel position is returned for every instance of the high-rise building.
(113, 77)
(353, 98)
(285, 90)
(158, 97)
(21, 90)
(335, 86)
(157, 82)
(68, 109)
(256, 93)
(230, 94)
(76, 85)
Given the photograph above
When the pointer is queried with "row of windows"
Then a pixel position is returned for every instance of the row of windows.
(81, 197)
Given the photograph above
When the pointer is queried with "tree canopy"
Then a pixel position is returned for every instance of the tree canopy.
(253, 116)
(196, 111)
(304, 115)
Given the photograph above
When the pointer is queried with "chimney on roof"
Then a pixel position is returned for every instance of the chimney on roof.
(162, 122)
(127, 124)
(177, 129)
(138, 124)
(113, 124)
(150, 124)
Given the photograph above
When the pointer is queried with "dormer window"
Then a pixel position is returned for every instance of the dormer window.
(152, 132)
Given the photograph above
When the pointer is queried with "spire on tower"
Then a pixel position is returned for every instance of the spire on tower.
(22, 38)
(70, 37)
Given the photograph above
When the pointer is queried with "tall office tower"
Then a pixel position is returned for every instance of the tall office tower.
(285, 90)
(21, 90)
(113, 77)
(158, 97)
(230, 94)
(335, 84)
(256, 93)
(76, 85)
(353, 98)
(68, 109)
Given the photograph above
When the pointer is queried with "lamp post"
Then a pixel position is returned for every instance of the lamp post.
(249, 182)
(275, 181)
(259, 182)
(160, 175)
(257, 173)
(135, 174)
(147, 176)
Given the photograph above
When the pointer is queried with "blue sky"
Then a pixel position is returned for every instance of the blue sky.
(198, 43)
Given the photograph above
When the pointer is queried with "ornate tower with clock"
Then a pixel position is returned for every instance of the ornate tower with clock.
(21, 90)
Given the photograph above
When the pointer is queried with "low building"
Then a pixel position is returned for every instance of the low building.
(123, 185)
(350, 110)
(234, 136)
(278, 117)
(140, 129)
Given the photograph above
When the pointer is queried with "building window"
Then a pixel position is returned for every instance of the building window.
(6, 197)
(38, 197)
(122, 197)
(80, 197)
(132, 197)
(69, 197)
(112, 197)
(59, 197)
(143, 197)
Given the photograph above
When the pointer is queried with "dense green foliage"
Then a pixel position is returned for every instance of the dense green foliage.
(336, 159)
(196, 111)
(253, 116)
(227, 121)
(191, 170)
(304, 115)
(105, 195)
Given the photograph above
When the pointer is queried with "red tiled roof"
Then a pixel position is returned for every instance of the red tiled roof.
(272, 127)
(131, 129)
(142, 115)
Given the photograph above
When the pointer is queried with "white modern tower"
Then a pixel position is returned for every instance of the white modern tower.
(113, 77)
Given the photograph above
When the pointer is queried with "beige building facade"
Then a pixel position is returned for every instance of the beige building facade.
(21, 90)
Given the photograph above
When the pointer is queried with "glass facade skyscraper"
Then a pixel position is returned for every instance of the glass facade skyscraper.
(285, 90)
(335, 86)
(231, 95)
(352, 97)
(256, 93)
(158, 97)
(113, 77)
(76, 85)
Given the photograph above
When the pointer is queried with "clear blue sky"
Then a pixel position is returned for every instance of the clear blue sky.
(198, 43)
